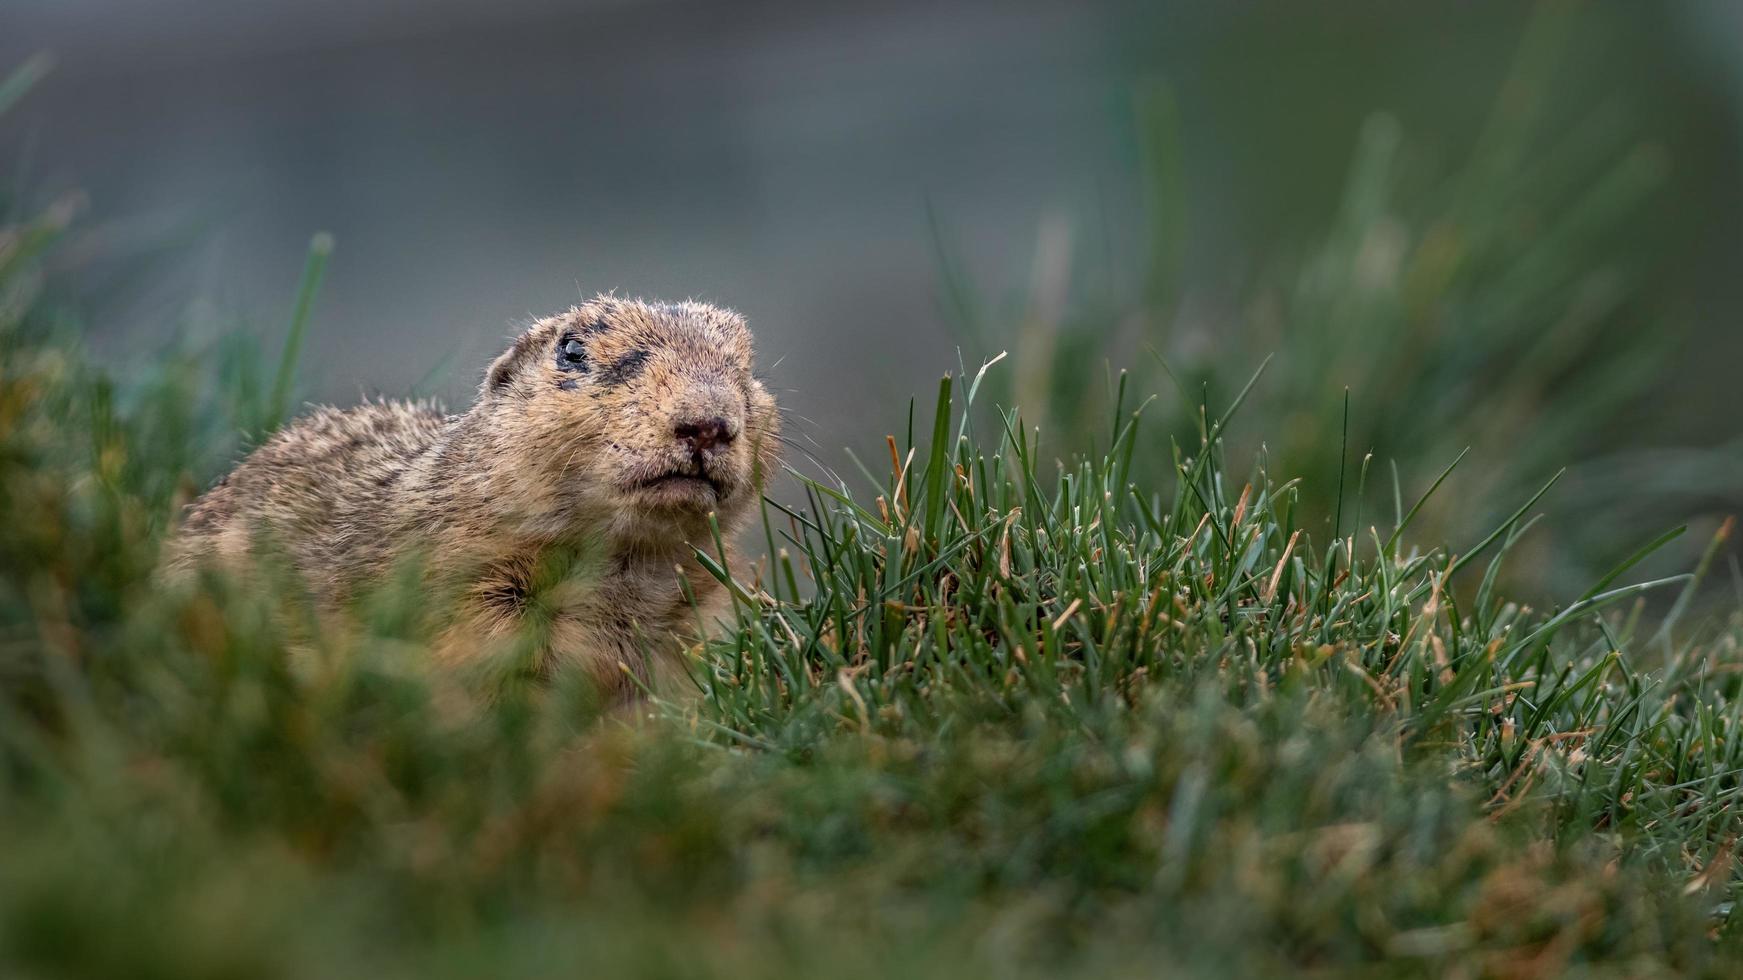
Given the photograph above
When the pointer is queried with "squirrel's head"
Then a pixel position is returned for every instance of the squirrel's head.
(645, 415)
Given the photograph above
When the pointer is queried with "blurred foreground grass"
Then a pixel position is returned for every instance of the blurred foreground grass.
(983, 715)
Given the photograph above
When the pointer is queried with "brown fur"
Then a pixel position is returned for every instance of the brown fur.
(535, 507)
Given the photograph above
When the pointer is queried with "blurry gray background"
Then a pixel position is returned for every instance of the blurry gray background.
(479, 163)
(483, 162)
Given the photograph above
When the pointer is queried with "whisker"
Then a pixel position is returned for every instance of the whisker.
(791, 414)
(569, 462)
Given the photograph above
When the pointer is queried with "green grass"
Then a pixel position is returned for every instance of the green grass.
(1154, 709)
(1505, 296)
(994, 715)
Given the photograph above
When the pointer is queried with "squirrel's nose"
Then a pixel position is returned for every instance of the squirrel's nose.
(704, 434)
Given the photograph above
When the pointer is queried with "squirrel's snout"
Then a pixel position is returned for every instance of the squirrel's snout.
(703, 436)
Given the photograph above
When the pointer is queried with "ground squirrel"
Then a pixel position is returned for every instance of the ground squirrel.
(567, 499)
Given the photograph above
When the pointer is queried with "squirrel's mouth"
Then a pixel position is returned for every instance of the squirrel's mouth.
(679, 487)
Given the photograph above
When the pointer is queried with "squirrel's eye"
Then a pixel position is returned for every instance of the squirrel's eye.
(571, 355)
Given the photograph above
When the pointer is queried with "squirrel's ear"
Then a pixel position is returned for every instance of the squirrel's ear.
(503, 370)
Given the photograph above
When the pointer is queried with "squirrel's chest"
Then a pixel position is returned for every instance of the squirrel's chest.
(628, 633)
(605, 624)
(614, 603)
(626, 625)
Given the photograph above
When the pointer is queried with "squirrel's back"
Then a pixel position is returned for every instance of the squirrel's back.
(314, 485)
